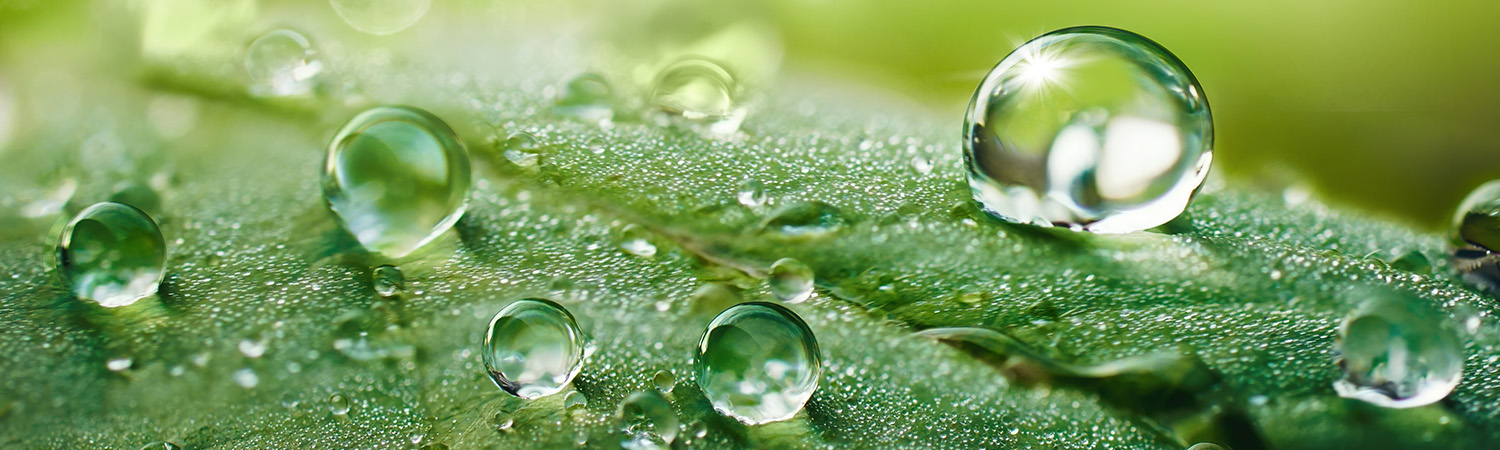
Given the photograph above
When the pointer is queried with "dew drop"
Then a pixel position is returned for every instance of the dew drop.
(380, 17)
(388, 281)
(595, 145)
(112, 253)
(246, 378)
(575, 401)
(397, 177)
(253, 348)
(533, 348)
(282, 63)
(700, 91)
(647, 420)
(504, 422)
(805, 220)
(791, 281)
(1397, 351)
(1476, 236)
(1088, 127)
(635, 240)
(587, 97)
(520, 140)
(752, 193)
(664, 381)
(758, 362)
(338, 404)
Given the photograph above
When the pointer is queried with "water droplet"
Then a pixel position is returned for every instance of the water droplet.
(587, 97)
(752, 193)
(381, 17)
(397, 177)
(791, 281)
(520, 140)
(921, 164)
(246, 378)
(1476, 236)
(504, 422)
(595, 145)
(253, 348)
(112, 253)
(805, 220)
(338, 404)
(282, 63)
(758, 362)
(701, 91)
(574, 401)
(388, 281)
(647, 420)
(698, 430)
(634, 239)
(118, 364)
(1397, 351)
(1205, 446)
(1089, 127)
(664, 381)
(533, 348)
(163, 445)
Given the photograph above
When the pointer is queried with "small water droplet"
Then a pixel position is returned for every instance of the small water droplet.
(1397, 351)
(533, 348)
(575, 401)
(700, 91)
(587, 97)
(805, 220)
(397, 177)
(246, 378)
(1092, 128)
(647, 420)
(664, 381)
(698, 430)
(595, 145)
(635, 239)
(338, 404)
(752, 193)
(112, 253)
(791, 281)
(118, 364)
(253, 348)
(921, 164)
(380, 17)
(520, 140)
(388, 281)
(758, 362)
(282, 63)
(504, 422)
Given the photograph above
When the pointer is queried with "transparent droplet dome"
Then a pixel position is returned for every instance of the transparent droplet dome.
(282, 63)
(1397, 351)
(758, 363)
(1091, 128)
(533, 348)
(112, 254)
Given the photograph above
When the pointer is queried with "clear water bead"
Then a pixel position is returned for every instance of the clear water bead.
(791, 281)
(282, 63)
(381, 17)
(112, 253)
(1397, 351)
(397, 177)
(701, 91)
(388, 280)
(1093, 128)
(533, 348)
(664, 381)
(758, 363)
(647, 420)
(1476, 236)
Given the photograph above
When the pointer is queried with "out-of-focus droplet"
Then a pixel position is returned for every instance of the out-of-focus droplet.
(758, 362)
(752, 193)
(1397, 351)
(635, 239)
(790, 280)
(246, 378)
(1094, 128)
(700, 91)
(574, 401)
(381, 17)
(647, 420)
(533, 348)
(587, 97)
(388, 281)
(137, 194)
(397, 177)
(112, 253)
(805, 220)
(282, 63)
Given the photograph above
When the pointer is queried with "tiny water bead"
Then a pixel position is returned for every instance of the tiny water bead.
(699, 90)
(791, 281)
(112, 253)
(1093, 128)
(758, 362)
(533, 348)
(1476, 236)
(647, 420)
(396, 177)
(664, 381)
(752, 193)
(388, 280)
(282, 63)
(338, 405)
(1397, 351)
(381, 17)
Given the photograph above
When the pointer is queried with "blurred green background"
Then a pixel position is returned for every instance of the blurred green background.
(1386, 105)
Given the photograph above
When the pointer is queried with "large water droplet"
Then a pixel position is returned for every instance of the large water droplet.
(791, 281)
(388, 281)
(282, 63)
(758, 362)
(647, 420)
(533, 348)
(700, 91)
(397, 177)
(380, 17)
(1089, 127)
(587, 97)
(1397, 351)
(112, 253)
(1476, 236)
